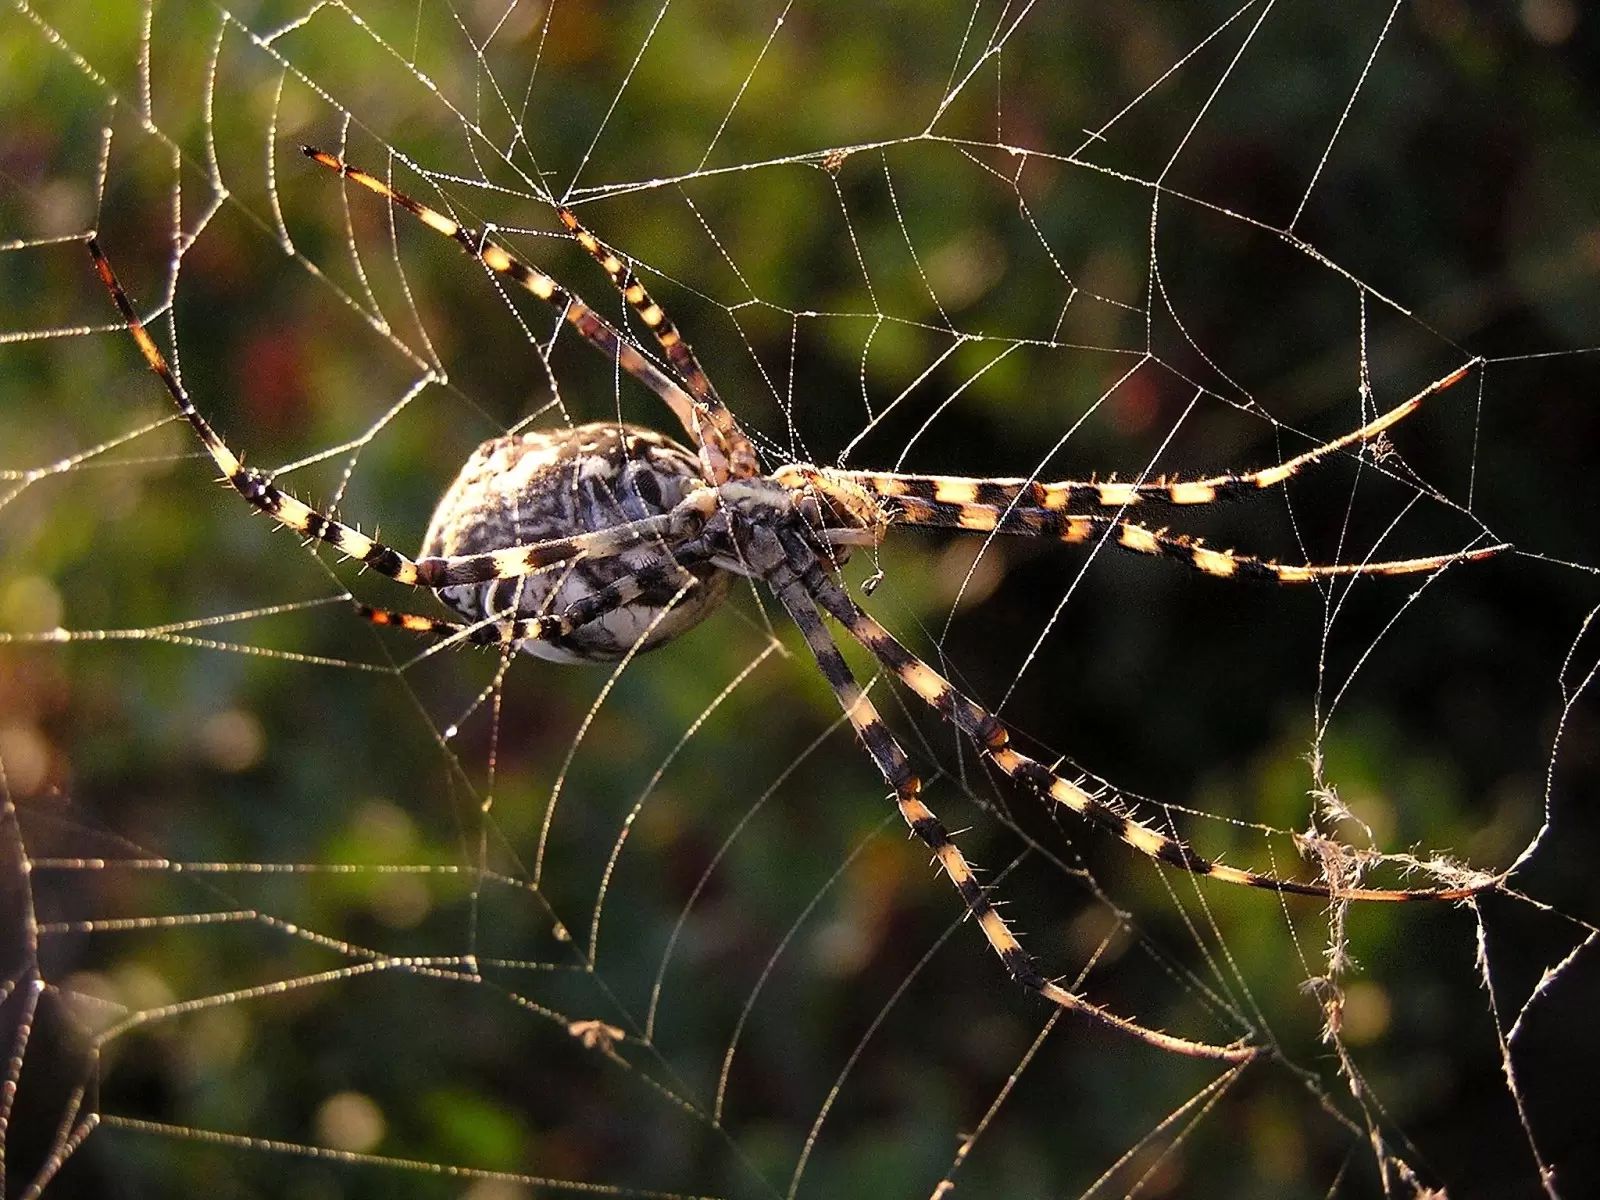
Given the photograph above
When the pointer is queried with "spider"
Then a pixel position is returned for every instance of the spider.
(590, 543)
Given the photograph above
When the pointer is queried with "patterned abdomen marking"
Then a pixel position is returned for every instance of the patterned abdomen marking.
(538, 486)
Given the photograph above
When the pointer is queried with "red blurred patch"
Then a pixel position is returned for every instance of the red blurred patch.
(274, 382)
(1135, 405)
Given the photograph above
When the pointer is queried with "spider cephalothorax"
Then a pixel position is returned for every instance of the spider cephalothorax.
(851, 514)
(598, 541)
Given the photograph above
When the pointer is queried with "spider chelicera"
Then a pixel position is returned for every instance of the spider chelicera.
(589, 543)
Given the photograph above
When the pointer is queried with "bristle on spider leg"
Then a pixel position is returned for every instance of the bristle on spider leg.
(717, 424)
(248, 482)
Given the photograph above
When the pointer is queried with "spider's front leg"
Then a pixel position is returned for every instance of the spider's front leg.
(952, 492)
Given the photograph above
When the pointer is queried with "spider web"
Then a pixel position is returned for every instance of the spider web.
(297, 906)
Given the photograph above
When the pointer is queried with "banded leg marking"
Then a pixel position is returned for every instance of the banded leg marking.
(482, 633)
(581, 612)
(590, 325)
(893, 765)
(993, 741)
(1140, 539)
(509, 563)
(723, 429)
(1069, 494)
(247, 481)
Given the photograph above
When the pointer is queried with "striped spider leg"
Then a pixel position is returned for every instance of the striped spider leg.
(475, 581)
(558, 630)
(798, 590)
(1192, 552)
(743, 462)
(1006, 493)
(725, 451)
(1057, 510)
(989, 735)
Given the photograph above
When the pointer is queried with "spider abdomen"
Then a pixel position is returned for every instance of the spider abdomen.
(536, 487)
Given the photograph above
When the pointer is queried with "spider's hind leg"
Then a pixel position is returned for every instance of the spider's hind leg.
(255, 487)
(795, 594)
(1141, 539)
(1106, 811)
(678, 525)
(504, 629)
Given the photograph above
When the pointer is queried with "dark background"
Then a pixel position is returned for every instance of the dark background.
(1461, 194)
